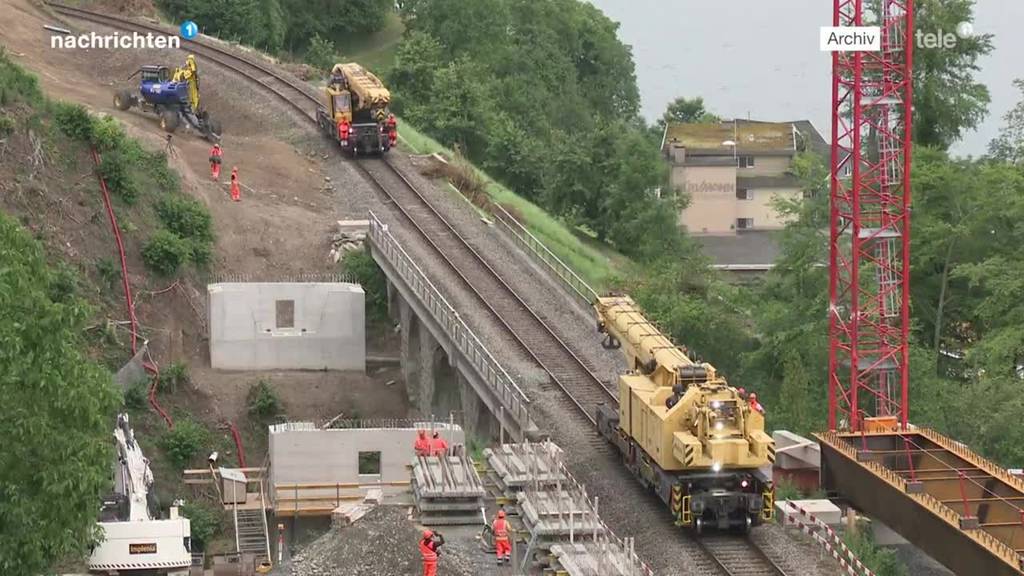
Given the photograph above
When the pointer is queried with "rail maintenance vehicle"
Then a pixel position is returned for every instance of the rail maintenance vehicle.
(683, 431)
(355, 113)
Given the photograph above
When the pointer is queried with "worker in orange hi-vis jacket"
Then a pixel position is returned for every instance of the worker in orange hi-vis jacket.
(429, 550)
(215, 159)
(438, 445)
(422, 444)
(236, 192)
(502, 541)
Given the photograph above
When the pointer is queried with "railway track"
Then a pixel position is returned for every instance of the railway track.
(583, 390)
(737, 556)
(293, 94)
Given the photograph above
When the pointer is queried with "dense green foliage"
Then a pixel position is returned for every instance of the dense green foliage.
(189, 220)
(948, 101)
(174, 375)
(881, 561)
(56, 416)
(360, 265)
(263, 401)
(275, 25)
(16, 85)
(205, 522)
(184, 441)
(967, 302)
(543, 96)
(115, 172)
(685, 110)
(165, 253)
(1009, 145)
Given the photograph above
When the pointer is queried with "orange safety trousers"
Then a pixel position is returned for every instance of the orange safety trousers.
(502, 545)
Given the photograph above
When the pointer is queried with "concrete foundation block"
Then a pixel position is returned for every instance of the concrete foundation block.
(823, 510)
(287, 326)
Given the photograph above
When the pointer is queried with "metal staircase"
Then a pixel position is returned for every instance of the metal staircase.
(250, 533)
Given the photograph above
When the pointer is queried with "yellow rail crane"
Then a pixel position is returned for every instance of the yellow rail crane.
(356, 98)
(688, 435)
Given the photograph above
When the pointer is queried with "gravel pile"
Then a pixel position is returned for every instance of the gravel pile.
(382, 543)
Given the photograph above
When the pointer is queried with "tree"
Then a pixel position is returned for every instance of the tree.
(947, 99)
(1009, 145)
(686, 110)
(56, 417)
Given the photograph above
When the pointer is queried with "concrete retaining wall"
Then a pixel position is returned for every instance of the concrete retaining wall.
(311, 456)
(254, 327)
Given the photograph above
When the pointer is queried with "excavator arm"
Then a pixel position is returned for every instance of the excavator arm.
(189, 73)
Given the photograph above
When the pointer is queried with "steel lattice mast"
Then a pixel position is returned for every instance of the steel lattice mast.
(870, 218)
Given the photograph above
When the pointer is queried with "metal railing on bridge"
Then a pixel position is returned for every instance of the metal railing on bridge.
(538, 251)
(513, 401)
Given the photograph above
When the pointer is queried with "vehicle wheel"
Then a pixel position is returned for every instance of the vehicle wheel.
(169, 120)
(698, 525)
(122, 100)
(745, 527)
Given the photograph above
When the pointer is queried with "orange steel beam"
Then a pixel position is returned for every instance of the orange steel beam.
(915, 511)
(961, 500)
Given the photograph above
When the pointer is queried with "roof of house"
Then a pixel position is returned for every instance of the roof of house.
(748, 136)
(757, 248)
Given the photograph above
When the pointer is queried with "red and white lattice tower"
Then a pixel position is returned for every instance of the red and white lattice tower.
(870, 218)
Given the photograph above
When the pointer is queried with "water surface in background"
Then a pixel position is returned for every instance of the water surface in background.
(758, 58)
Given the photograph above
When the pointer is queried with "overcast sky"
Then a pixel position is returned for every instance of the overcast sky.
(762, 58)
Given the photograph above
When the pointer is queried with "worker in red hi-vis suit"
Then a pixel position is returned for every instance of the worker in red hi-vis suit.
(422, 445)
(392, 125)
(215, 158)
(438, 445)
(236, 192)
(429, 549)
(755, 404)
(502, 542)
(343, 131)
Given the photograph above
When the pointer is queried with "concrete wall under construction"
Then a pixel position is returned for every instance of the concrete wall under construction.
(287, 326)
(302, 454)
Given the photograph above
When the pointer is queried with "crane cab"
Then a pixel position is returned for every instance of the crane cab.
(355, 97)
(339, 99)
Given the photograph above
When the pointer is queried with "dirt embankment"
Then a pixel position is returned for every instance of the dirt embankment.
(280, 229)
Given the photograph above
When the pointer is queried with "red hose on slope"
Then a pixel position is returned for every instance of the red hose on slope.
(149, 366)
(238, 444)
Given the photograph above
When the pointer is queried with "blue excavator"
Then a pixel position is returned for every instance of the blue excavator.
(173, 95)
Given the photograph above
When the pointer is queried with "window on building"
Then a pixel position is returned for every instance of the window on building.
(369, 463)
(285, 313)
(746, 161)
(744, 194)
(744, 223)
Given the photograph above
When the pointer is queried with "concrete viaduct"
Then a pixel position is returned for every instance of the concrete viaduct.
(445, 366)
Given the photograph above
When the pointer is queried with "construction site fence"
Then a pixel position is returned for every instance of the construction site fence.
(536, 249)
(823, 534)
(317, 277)
(607, 543)
(512, 399)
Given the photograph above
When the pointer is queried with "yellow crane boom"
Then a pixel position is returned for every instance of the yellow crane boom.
(680, 412)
